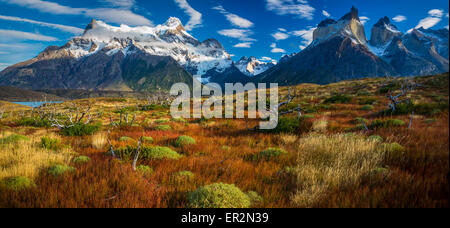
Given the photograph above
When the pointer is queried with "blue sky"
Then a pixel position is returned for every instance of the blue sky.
(261, 28)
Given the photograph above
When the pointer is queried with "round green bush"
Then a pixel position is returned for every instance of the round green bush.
(367, 107)
(49, 143)
(184, 141)
(18, 183)
(125, 139)
(394, 148)
(145, 170)
(271, 153)
(162, 121)
(376, 138)
(185, 175)
(81, 159)
(58, 170)
(219, 195)
(13, 139)
(159, 153)
(147, 140)
(163, 128)
(254, 197)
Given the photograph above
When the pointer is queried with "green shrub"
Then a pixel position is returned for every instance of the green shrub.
(81, 159)
(80, 130)
(367, 107)
(159, 153)
(161, 121)
(389, 123)
(145, 170)
(376, 138)
(184, 175)
(338, 99)
(293, 125)
(394, 148)
(50, 144)
(184, 141)
(154, 107)
(34, 122)
(179, 120)
(18, 183)
(147, 140)
(13, 139)
(125, 139)
(218, 196)
(270, 153)
(59, 170)
(163, 128)
(254, 197)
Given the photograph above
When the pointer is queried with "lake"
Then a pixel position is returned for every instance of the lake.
(37, 104)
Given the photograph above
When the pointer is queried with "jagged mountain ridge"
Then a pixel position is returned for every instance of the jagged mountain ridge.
(341, 51)
(252, 66)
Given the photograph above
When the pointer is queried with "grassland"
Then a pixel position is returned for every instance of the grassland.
(346, 152)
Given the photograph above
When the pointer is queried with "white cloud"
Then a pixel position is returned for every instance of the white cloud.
(434, 17)
(19, 35)
(325, 13)
(119, 16)
(64, 28)
(446, 27)
(282, 29)
(436, 13)
(275, 49)
(399, 18)
(306, 35)
(364, 19)
(195, 20)
(3, 52)
(280, 36)
(234, 19)
(4, 65)
(243, 45)
(241, 34)
(301, 8)
(268, 59)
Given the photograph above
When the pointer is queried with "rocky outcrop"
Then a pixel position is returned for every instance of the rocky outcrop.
(383, 32)
(252, 66)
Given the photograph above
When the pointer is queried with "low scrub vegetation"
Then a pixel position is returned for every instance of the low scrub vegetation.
(219, 195)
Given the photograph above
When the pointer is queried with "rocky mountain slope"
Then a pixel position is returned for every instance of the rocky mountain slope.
(341, 51)
(252, 66)
(121, 58)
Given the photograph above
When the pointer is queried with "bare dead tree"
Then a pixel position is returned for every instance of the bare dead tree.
(407, 85)
(74, 116)
(136, 156)
(2, 112)
(284, 101)
(411, 120)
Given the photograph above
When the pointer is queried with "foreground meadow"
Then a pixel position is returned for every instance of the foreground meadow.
(348, 149)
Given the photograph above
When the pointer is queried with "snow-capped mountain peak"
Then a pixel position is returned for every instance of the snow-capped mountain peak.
(348, 26)
(252, 66)
(168, 39)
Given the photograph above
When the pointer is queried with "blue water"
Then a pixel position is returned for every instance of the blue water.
(37, 104)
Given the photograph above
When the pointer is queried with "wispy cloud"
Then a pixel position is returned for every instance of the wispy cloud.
(275, 49)
(434, 17)
(65, 28)
(195, 20)
(325, 13)
(300, 8)
(13, 34)
(243, 45)
(280, 36)
(241, 34)
(306, 35)
(364, 19)
(114, 15)
(234, 19)
(399, 18)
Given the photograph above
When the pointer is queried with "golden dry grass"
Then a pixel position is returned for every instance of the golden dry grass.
(26, 157)
(332, 162)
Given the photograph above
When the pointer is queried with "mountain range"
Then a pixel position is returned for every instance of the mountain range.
(154, 58)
